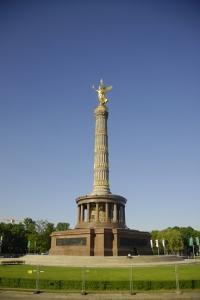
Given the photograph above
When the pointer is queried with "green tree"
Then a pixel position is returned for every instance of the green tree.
(44, 229)
(14, 238)
(30, 226)
(19, 233)
(173, 240)
(2, 234)
(48, 230)
(62, 226)
(188, 232)
(38, 235)
(31, 234)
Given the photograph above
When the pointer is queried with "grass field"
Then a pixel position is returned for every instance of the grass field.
(189, 272)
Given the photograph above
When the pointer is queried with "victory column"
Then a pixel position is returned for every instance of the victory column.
(103, 209)
(101, 227)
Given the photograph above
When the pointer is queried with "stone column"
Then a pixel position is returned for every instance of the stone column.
(121, 214)
(97, 212)
(101, 166)
(82, 212)
(124, 215)
(115, 212)
(106, 212)
(88, 212)
(79, 211)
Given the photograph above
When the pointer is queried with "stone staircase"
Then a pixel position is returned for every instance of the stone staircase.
(101, 261)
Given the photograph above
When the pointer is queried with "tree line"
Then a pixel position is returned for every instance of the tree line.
(28, 237)
(34, 237)
(177, 240)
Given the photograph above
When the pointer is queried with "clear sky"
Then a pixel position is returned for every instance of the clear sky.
(52, 52)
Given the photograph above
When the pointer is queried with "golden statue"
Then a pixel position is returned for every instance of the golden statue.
(102, 91)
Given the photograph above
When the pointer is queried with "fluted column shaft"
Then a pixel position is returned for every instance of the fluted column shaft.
(101, 166)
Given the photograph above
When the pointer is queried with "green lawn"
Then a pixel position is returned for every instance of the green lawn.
(191, 272)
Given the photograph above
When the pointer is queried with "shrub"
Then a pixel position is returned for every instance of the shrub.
(73, 285)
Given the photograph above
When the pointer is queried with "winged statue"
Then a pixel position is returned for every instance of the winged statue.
(101, 92)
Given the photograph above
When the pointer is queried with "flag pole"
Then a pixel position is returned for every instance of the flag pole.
(193, 248)
(157, 245)
(163, 242)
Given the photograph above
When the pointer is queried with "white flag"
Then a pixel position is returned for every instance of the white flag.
(157, 243)
(163, 242)
(151, 242)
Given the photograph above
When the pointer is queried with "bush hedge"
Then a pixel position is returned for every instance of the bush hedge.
(73, 285)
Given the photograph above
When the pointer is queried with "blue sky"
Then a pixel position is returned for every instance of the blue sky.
(52, 52)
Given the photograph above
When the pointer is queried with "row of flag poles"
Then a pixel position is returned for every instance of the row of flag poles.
(191, 243)
(157, 245)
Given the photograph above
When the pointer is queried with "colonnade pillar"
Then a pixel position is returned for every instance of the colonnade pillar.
(79, 213)
(82, 213)
(115, 212)
(97, 212)
(124, 219)
(106, 212)
(88, 212)
(121, 214)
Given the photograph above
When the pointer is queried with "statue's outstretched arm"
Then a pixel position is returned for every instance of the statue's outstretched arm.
(94, 89)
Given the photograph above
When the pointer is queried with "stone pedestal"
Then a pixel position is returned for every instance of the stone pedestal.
(100, 242)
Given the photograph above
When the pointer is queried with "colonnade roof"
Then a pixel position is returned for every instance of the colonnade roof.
(110, 198)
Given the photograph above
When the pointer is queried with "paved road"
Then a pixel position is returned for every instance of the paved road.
(15, 295)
